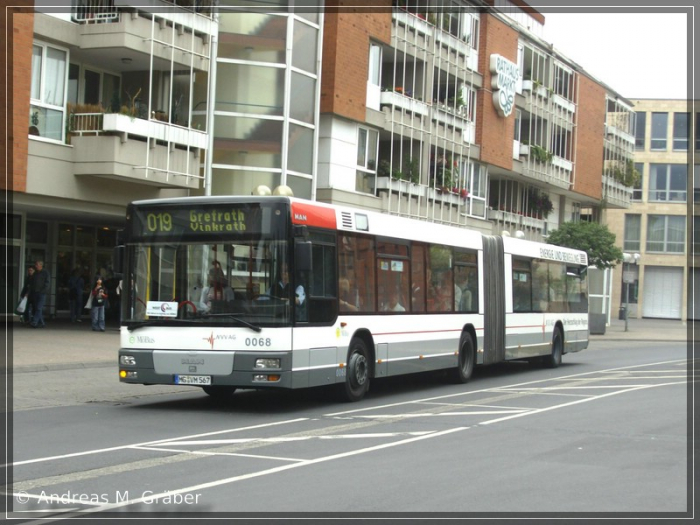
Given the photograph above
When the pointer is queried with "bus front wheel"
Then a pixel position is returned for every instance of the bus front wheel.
(554, 359)
(465, 361)
(357, 371)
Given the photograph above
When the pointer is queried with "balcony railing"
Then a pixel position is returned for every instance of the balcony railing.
(616, 194)
(392, 98)
(101, 123)
(95, 12)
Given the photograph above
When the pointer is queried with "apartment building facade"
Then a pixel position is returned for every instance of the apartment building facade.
(656, 225)
(459, 115)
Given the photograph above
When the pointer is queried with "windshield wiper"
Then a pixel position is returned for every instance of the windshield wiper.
(169, 322)
(156, 322)
(238, 319)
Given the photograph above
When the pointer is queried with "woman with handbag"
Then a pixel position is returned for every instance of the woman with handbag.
(97, 310)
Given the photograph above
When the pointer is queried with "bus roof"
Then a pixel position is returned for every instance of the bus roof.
(361, 221)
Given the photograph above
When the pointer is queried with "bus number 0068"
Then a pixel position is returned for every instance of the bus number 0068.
(258, 341)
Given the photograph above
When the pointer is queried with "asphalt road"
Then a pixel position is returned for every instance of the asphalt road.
(605, 433)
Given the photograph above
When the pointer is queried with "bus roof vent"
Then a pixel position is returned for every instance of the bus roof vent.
(347, 222)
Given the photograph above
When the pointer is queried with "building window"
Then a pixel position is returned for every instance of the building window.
(561, 142)
(375, 64)
(640, 131)
(633, 232)
(468, 108)
(659, 130)
(666, 233)
(668, 182)
(697, 134)
(48, 91)
(680, 131)
(696, 183)
(639, 184)
(575, 211)
(535, 66)
(367, 143)
(563, 81)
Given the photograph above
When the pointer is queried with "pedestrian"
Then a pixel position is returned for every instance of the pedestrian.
(41, 286)
(97, 308)
(76, 283)
(26, 316)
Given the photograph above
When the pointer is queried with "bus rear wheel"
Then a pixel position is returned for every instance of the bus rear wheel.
(554, 359)
(357, 371)
(219, 392)
(465, 361)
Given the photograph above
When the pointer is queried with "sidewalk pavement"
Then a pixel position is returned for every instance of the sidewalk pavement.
(63, 345)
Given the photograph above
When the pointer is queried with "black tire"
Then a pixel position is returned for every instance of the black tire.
(465, 361)
(219, 392)
(357, 373)
(554, 359)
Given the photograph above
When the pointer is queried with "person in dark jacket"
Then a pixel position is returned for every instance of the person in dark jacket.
(41, 286)
(27, 292)
(75, 295)
(99, 299)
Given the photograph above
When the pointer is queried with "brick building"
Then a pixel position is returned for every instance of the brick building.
(463, 116)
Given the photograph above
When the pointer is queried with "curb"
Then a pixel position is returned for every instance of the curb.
(22, 369)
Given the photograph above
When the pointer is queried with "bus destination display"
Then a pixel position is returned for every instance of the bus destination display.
(178, 222)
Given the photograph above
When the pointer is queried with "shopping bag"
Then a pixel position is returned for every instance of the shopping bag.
(88, 305)
(21, 306)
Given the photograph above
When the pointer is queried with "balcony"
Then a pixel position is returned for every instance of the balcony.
(404, 102)
(413, 23)
(146, 151)
(401, 187)
(616, 194)
(612, 132)
(154, 27)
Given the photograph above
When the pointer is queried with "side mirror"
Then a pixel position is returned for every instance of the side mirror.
(302, 256)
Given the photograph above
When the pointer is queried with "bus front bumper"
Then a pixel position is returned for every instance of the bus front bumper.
(233, 369)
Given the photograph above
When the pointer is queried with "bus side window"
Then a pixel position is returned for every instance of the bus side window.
(522, 286)
(356, 263)
(418, 286)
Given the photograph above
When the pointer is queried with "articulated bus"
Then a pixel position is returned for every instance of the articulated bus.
(278, 292)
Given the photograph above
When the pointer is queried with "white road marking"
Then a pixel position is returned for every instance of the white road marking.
(486, 390)
(563, 405)
(146, 443)
(204, 453)
(512, 414)
(226, 481)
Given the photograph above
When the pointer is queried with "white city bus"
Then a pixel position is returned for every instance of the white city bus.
(370, 296)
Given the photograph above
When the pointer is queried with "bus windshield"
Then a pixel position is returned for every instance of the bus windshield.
(241, 283)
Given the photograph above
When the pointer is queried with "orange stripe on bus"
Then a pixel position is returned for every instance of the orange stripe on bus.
(303, 213)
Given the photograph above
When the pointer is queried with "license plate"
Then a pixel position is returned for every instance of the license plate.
(193, 380)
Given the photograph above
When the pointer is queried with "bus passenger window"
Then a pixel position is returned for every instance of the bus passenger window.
(522, 292)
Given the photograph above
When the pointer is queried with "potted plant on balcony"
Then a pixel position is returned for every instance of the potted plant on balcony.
(543, 204)
(384, 168)
(540, 154)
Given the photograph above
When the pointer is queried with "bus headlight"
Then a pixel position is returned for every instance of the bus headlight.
(128, 360)
(266, 362)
